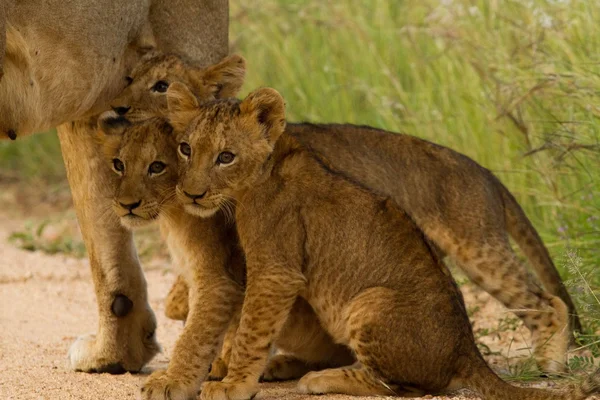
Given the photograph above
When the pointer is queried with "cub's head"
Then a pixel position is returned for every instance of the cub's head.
(143, 156)
(144, 97)
(224, 144)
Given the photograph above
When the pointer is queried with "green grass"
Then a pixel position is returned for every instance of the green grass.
(513, 84)
(33, 158)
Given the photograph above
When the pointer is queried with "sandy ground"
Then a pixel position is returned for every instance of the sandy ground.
(47, 301)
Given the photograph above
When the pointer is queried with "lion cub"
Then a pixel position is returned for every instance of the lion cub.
(308, 231)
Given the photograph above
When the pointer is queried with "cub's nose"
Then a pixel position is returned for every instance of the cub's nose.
(130, 206)
(194, 196)
(121, 110)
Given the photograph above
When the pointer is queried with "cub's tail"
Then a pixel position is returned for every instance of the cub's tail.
(522, 231)
(486, 382)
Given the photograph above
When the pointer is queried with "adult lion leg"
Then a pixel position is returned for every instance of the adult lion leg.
(125, 340)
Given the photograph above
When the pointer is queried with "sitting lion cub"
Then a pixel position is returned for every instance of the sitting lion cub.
(310, 232)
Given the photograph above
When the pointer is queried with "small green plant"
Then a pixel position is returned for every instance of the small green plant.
(505, 324)
(582, 363)
(34, 238)
(53, 236)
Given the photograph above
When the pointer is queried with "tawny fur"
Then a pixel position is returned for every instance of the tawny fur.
(462, 207)
(176, 303)
(77, 55)
(354, 256)
(467, 212)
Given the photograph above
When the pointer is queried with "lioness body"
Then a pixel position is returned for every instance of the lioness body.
(65, 61)
(354, 256)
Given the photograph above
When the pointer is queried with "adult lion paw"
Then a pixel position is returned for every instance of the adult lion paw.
(111, 352)
(161, 386)
(229, 391)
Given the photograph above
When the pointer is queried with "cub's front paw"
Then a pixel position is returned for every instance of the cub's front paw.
(229, 391)
(161, 386)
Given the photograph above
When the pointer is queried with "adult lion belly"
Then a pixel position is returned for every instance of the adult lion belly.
(65, 60)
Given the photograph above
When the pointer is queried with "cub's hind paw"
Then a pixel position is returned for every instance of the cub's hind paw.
(161, 386)
(218, 370)
(283, 367)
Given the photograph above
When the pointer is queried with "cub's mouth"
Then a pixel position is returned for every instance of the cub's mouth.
(133, 220)
(199, 205)
(134, 217)
(201, 210)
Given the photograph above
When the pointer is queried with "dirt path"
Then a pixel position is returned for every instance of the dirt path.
(47, 301)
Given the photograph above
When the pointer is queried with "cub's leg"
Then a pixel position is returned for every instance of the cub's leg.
(218, 369)
(307, 347)
(176, 303)
(494, 266)
(125, 340)
(213, 300)
(354, 381)
(404, 342)
(270, 294)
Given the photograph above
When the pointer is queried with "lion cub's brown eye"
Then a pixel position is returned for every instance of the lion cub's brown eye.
(118, 165)
(160, 87)
(225, 157)
(185, 149)
(156, 167)
(128, 80)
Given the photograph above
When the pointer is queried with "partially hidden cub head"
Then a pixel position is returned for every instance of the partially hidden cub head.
(145, 94)
(143, 156)
(224, 144)
(138, 142)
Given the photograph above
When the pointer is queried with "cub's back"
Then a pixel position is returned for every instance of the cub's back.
(425, 179)
(353, 234)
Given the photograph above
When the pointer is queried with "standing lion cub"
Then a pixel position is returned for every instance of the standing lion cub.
(360, 261)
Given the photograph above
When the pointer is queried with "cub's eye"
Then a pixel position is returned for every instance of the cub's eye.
(184, 149)
(225, 158)
(128, 80)
(156, 167)
(118, 166)
(160, 87)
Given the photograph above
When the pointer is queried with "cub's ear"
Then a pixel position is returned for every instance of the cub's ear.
(266, 108)
(111, 127)
(224, 79)
(111, 124)
(182, 104)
